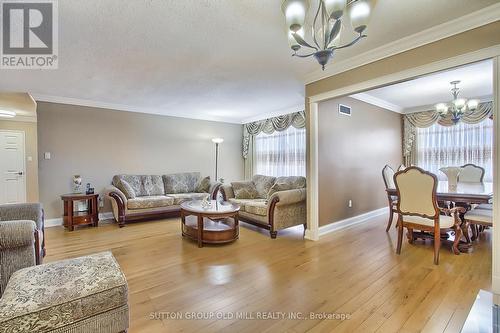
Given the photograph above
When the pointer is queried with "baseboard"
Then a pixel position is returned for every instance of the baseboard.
(352, 221)
(59, 221)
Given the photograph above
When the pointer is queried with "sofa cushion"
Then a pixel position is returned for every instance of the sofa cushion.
(181, 182)
(55, 296)
(203, 185)
(130, 185)
(139, 185)
(287, 183)
(263, 184)
(150, 202)
(257, 208)
(245, 190)
(242, 202)
(181, 197)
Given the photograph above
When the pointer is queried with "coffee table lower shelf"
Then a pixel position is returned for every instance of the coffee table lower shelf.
(225, 230)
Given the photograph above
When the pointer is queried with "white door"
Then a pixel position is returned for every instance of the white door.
(12, 170)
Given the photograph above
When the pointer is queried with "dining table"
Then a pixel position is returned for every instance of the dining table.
(463, 194)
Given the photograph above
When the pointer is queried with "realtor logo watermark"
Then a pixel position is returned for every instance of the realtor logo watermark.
(29, 38)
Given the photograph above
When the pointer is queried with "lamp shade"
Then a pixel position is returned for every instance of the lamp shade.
(217, 140)
(7, 114)
(335, 8)
(472, 104)
(459, 103)
(442, 108)
(295, 13)
(359, 12)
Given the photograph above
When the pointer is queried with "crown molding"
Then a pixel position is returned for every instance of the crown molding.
(124, 107)
(365, 97)
(276, 113)
(461, 24)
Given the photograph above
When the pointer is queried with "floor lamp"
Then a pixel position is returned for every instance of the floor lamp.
(217, 141)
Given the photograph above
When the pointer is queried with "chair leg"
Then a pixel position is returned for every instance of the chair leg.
(458, 235)
(391, 216)
(465, 231)
(410, 236)
(437, 246)
(475, 231)
(400, 236)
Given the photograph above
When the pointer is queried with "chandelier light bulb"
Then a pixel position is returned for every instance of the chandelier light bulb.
(359, 12)
(442, 108)
(472, 104)
(292, 41)
(335, 8)
(295, 14)
(459, 104)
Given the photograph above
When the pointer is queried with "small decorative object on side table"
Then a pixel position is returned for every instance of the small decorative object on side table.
(212, 224)
(72, 218)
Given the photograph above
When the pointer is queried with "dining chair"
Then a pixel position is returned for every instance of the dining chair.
(388, 176)
(478, 219)
(401, 167)
(417, 208)
(471, 173)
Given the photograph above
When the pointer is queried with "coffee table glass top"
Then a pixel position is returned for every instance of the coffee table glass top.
(196, 206)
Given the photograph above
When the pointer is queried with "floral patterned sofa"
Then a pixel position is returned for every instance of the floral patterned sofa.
(135, 197)
(273, 203)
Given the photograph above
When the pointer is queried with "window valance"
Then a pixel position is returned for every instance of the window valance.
(269, 126)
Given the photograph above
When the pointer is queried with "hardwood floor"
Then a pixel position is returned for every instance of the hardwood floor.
(354, 272)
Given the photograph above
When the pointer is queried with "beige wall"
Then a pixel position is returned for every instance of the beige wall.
(352, 152)
(31, 146)
(99, 143)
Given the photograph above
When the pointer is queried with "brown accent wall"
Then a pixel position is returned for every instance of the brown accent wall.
(99, 143)
(31, 146)
(352, 152)
(469, 41)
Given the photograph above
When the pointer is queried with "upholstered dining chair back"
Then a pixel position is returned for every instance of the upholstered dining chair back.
(471, 173)
(388, 175)
(401, 167)
(417, 192)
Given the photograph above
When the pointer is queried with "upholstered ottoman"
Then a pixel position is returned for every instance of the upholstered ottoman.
(86, 294)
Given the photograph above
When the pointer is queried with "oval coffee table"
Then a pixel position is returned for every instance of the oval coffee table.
(213, 225)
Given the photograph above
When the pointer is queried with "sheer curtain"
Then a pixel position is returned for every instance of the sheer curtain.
(441, 146)
(282, 153)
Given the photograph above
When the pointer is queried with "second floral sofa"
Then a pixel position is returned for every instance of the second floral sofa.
(273, 203)
(136, 197)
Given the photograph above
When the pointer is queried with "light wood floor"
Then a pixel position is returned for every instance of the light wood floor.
(354, 272)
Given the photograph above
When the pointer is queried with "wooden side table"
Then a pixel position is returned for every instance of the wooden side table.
(89, 216)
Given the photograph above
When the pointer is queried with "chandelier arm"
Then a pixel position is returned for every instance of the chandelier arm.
(302, 42)
(357, 39)
(314, 25)
(303, 55)
(334, 32)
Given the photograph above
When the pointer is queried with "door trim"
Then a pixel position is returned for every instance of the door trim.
(25, 188)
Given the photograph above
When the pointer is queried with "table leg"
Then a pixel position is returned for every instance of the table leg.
(200, 231)
(236, 226)
(70, 215)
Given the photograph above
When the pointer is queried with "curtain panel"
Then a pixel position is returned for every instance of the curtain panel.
(267, 126)
(425, 119)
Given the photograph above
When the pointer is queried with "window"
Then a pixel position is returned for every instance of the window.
(281, 153)
(440, 146)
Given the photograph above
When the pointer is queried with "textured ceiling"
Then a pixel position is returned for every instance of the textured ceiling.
(222, 60)
(476, 82)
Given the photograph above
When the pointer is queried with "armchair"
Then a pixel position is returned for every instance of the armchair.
(28, 212)
(418, 209)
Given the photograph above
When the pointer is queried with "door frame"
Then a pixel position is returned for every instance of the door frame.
(312, 103)
(25, 188)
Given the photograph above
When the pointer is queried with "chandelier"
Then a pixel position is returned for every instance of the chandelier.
(326, 26)
(458, 107)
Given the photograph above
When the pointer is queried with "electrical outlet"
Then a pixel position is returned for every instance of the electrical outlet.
(47, 156)
(350, 203)
(101, 202)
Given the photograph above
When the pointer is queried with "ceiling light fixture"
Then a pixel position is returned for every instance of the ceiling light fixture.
(458, 106)
(326, 27)
(7, 114)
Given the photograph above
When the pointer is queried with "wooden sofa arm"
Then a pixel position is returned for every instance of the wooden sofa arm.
(121, 202)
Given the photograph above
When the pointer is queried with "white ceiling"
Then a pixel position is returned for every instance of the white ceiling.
(421, 93)
(221, 60)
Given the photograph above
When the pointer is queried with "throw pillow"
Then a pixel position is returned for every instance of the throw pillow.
(263, 184)
(181, 182)
(287, 183)
(203, 185)
(245, 190)
(127, 189)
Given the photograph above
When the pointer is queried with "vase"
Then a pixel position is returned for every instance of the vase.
(452, 174)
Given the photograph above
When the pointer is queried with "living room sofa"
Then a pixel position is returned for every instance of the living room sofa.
(136, 197)
(272, 203)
